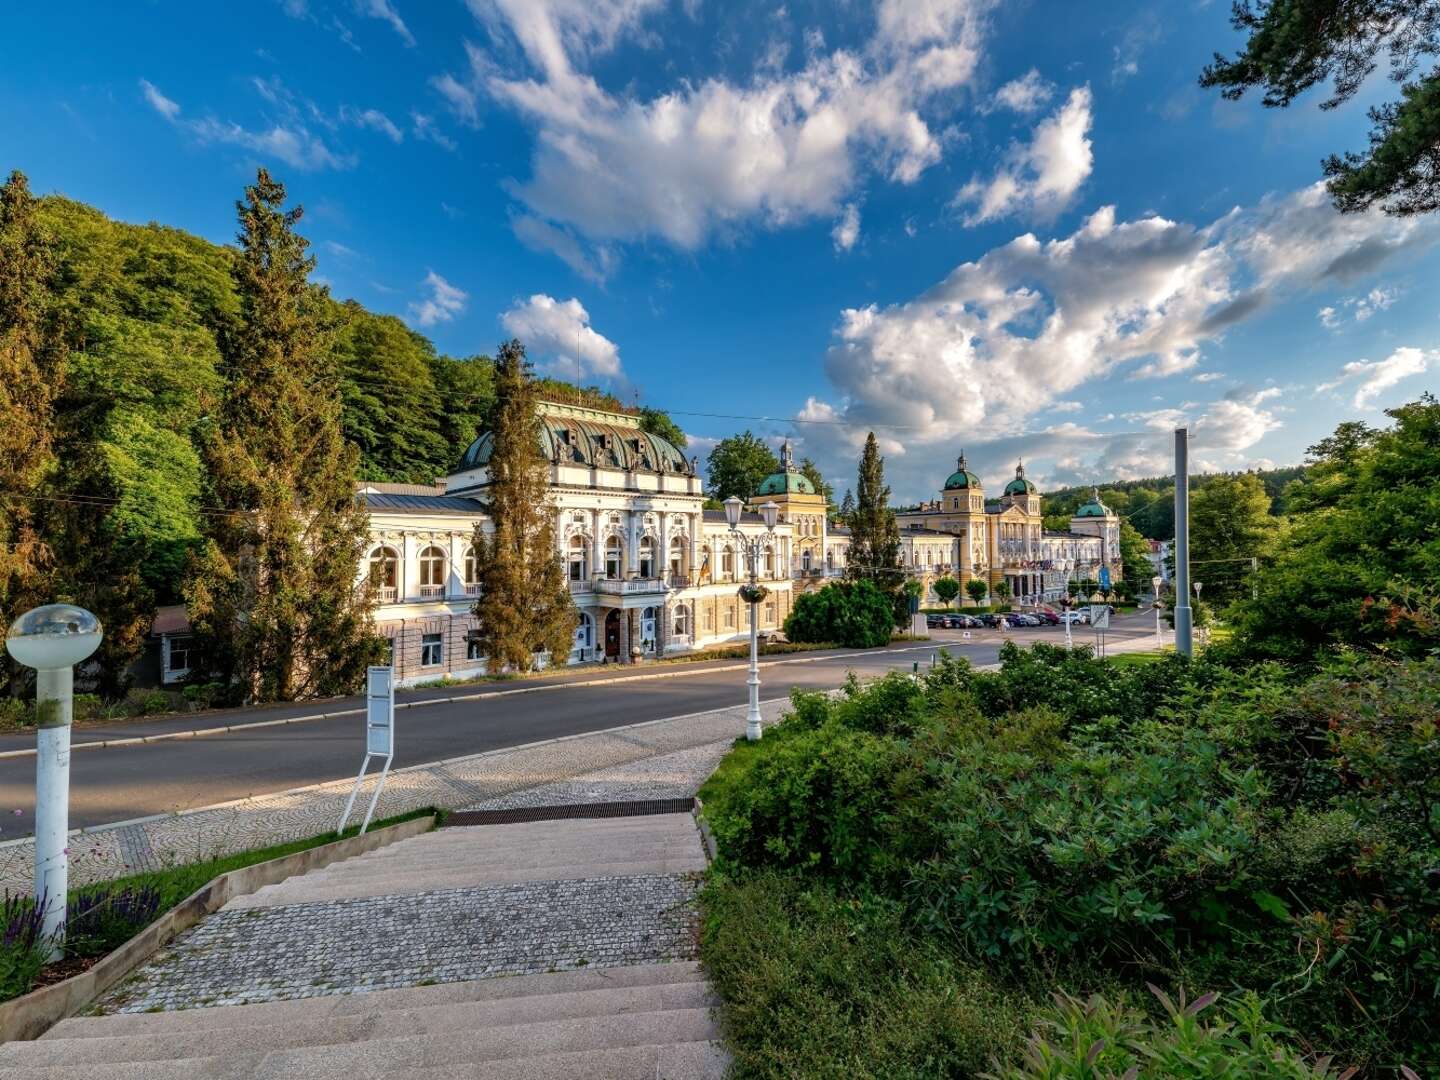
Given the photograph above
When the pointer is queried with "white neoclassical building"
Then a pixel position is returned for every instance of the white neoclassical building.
(652, 572)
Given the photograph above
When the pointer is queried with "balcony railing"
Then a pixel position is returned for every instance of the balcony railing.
(621, 587)
(388, 594)
(472, 589)
(581, 585)
(432, 592)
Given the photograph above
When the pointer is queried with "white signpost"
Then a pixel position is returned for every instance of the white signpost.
(1100, 620)
(379, 738)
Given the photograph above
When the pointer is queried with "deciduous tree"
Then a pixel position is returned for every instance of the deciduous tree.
(1230, 524)
(273, 595)
(524, 608)
(737, 465)
(947, 589)
(977, 590)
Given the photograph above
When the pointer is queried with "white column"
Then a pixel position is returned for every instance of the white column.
(597, 552)
(662, 550)
(632, 548)
(455, 584)
(409, 583)
(696, 521)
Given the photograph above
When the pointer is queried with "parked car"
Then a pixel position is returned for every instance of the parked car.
(936, 622)
(1049, 618)
(1024, 618)
(989, 619)
(1080, 615)
(968, 622)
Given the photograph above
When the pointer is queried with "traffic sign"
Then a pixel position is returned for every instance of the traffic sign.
(1100, 616)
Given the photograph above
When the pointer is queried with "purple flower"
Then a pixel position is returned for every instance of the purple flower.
(18, 812)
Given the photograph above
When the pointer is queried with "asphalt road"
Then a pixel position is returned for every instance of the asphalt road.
(119, 783)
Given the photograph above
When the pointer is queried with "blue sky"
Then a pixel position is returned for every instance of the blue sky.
(1009, 228)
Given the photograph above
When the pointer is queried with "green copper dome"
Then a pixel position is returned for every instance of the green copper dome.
(1093, 508)
(789, 480)
(1020, 486)
(961, 477)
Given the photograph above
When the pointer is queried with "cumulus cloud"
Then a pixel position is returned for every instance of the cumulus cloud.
(847, 229)
(559, 332)
(1356, 308)
(703, 157)
(1027, 94)
(1373, 378)
(1039, 177)
(1029, 322)
(442, 304)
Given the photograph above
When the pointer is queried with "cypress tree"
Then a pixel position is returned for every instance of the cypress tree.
(273, 593)
(874, 535)
(524, 605)
(31, 370)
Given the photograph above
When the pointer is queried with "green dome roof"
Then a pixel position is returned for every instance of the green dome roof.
(788, 482)
(580, 440)
(962, 478)
(1093, 508)
(1020, 486)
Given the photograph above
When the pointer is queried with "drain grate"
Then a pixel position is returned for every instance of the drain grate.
(519, 814)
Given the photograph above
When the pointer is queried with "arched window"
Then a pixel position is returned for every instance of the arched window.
(805, 560)
(682, 621)
(677, 555)
(584, 634)
(727, 563)
(575, 559)
(830, 558)
(769, 562)
(385, 572)
(432, 572)
(612, 557)
(647, 557)
(472, 573)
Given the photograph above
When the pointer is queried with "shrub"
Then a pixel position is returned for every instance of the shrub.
(858, 615)
(1096, 1038)
(22, 955)
(100, 918)
(156, 701)
(16, 713)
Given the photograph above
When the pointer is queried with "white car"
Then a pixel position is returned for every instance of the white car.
(1079, 616)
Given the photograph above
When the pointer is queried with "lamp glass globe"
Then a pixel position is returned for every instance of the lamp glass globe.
(53, 637)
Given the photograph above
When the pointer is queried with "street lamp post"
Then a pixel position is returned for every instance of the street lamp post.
(750, 548)
(52, 640)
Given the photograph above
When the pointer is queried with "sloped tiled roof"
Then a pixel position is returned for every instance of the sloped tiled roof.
(424, 504)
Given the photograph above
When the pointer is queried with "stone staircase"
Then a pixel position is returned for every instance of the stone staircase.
(389, 965)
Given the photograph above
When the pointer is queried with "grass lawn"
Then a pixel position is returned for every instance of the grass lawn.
(106, 915)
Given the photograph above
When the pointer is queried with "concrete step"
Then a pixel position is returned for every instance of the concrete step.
(674, 1061)
(482, 991)
(295, 1032)
(535, 856)
(367, 1057)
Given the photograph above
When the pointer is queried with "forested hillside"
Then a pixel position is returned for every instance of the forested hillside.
(1149, 504)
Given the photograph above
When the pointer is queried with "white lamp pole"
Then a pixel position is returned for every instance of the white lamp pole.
(750, 549)
(52, 640)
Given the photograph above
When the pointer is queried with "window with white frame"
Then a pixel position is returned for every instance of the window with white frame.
(682, 621)
(472, 650)
(727, 562)
(729, 618)
(472, 573)
(612, 557)
(677, 555)
(432, 572)
(385, 572)
(432, 650)
(177, 657)
(769, 562)
(647, 556)
(577, 558)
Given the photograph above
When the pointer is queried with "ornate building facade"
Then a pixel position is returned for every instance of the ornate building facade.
(652, 572)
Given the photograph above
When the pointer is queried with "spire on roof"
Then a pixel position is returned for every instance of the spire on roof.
(787, 457)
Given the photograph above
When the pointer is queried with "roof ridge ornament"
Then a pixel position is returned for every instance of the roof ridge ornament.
(960, 462)
(787, 457)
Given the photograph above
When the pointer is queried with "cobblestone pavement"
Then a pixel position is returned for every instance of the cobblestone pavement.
(116, 850)
(237, 957)
(667, 776)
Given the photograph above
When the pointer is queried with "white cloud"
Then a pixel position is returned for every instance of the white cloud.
(1029, 322)
(158, 101)
(385, 11)
(1041, 177)
(1377, 376)
(424, 129)
(444, 303)
(1067, 406)
(847, 229)
(375, 120)
(560, 332)
(1358, 308)
(594, 262)
(714, 155)
(1027, 94)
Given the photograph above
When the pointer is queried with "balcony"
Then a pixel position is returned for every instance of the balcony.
(388, 594)
(432, 592)
(582, 585)
(632, 587)
(472, 589)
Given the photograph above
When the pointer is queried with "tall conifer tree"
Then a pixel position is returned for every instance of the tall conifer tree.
(874, 535)
(273, 594)
(31, 370)
(525, 605)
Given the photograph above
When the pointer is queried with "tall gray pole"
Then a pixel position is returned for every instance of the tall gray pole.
(1184, 617)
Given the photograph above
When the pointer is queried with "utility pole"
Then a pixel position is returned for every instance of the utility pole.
(1184, 617)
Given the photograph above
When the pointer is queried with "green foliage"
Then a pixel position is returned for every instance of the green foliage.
(857, 615)
(812, 473)
(1070, 820)
(1294, 45)
(525, 608)
(977, 590)
(819, 985)
(874, 535)
(1088, 1040)
(1230, 523)
(658, 422)
(1135, 565)
(947, 589)
(1002, 590)
(737, 465)
(1358, 564)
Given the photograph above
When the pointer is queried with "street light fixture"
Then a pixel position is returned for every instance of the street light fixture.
(52, 640)
(752, 593)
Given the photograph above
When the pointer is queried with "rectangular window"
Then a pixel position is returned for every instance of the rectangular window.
(431, 650)
(179, 654)
(472, 650)
(709, 620)
(769, 614)
(729, 618)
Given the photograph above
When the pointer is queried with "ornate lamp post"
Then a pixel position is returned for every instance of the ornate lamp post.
(752, 593)
(52, 640)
